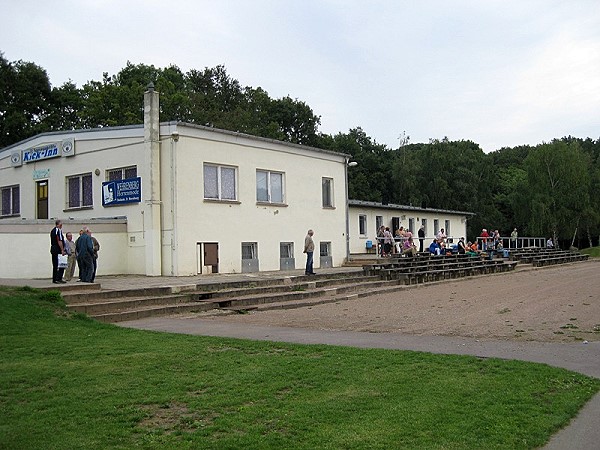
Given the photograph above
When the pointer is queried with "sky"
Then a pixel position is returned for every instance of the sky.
(499, 73)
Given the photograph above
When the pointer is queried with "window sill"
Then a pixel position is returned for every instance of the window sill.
(328, 207)
(279, 205)
(78, 208)
(216, 200)
(9, 216)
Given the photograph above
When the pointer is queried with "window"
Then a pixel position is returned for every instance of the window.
(436, 226)
(447, 229)
(79, 191)
(424, 223)
(362, 225)
(286, 250)
(123, 173)
(11, 205)
(411, 225)
(327, 185)
(325, 248)
(249, 250)
(269, 186)
(220, 182)
(378, 223)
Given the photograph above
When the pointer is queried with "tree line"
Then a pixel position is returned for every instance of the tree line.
(550, 189)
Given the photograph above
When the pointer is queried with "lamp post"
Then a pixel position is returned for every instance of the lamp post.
(347, 164)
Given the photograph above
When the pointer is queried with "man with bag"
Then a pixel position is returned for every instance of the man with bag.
(57, 247)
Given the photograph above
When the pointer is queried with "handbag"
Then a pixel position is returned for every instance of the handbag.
(63, 261)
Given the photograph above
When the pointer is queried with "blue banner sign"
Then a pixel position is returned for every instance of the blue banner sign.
(119, 192)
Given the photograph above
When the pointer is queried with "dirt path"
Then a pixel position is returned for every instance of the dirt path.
(555, 304)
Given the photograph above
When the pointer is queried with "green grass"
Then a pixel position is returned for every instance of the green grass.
(594, 252)
(67, 382)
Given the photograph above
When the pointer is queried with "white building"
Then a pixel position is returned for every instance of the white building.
(172, 199)
(365, 218)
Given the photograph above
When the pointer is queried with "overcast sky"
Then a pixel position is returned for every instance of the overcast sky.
(500, 73)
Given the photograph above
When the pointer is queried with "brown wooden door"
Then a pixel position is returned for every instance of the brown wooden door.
(211, 255)
(42, 199)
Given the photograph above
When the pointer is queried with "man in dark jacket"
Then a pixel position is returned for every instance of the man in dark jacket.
(57, 247)
(421, 237)
(85, 256)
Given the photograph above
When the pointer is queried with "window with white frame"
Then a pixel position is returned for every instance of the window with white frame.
(362, 224)
(11, 202)
(79, 191)
(269, 187)
(378, 223)
(220, 182)
(327, 187)
(411, 225)
(325, 248)
(447, 229)
(122, 173)
(286, 250)
(249, 250)
(436, 226)
(424, 223)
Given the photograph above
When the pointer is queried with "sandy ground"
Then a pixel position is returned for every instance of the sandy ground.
(552, 304)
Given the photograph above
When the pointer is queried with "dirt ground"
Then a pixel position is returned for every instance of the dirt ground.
(551, 304)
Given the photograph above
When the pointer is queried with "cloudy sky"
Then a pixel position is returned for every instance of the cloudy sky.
(500, 73)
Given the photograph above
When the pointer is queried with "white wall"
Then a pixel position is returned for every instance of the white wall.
(458, 223)
(31, 243)
(231, 223)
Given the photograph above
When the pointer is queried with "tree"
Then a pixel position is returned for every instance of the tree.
(25, 100)
(558, 188)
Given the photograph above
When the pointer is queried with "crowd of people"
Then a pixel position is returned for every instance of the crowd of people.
(66, 254)
(402, 243)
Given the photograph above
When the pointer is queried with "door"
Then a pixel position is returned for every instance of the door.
(211, 256)
(42, 199)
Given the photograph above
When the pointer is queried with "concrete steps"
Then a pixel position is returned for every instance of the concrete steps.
(132, 304)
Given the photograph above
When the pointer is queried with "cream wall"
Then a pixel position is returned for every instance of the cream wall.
(31, 239)
(458, 223)
(185, 217)
(231, 223)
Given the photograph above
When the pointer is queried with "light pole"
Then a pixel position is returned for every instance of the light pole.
(346, 165)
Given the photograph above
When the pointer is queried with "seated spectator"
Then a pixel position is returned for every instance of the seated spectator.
(434, 248)
(409, 248)
(472, 249)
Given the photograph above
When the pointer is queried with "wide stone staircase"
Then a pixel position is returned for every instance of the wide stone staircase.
(288, 291)
(260, 294)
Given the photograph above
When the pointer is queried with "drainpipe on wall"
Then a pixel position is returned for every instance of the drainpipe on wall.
(152, 216)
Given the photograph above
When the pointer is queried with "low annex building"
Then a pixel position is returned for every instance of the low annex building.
(365, 218)
(172, 199)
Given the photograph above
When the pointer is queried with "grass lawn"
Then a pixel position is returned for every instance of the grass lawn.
(67, 382)
(594, 252)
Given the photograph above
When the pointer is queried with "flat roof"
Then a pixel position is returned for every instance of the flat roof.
(392, 206)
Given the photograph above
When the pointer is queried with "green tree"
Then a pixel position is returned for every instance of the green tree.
(25, 100)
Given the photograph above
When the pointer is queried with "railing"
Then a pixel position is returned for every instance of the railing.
(508, 242)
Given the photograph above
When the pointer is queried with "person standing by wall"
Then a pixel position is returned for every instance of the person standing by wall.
(421, 237)
(70, 248)
(513, 238)
(96, 247)
(57, 247)
(85, 256)
(309, 248)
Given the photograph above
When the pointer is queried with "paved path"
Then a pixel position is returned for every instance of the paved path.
(583, 432)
